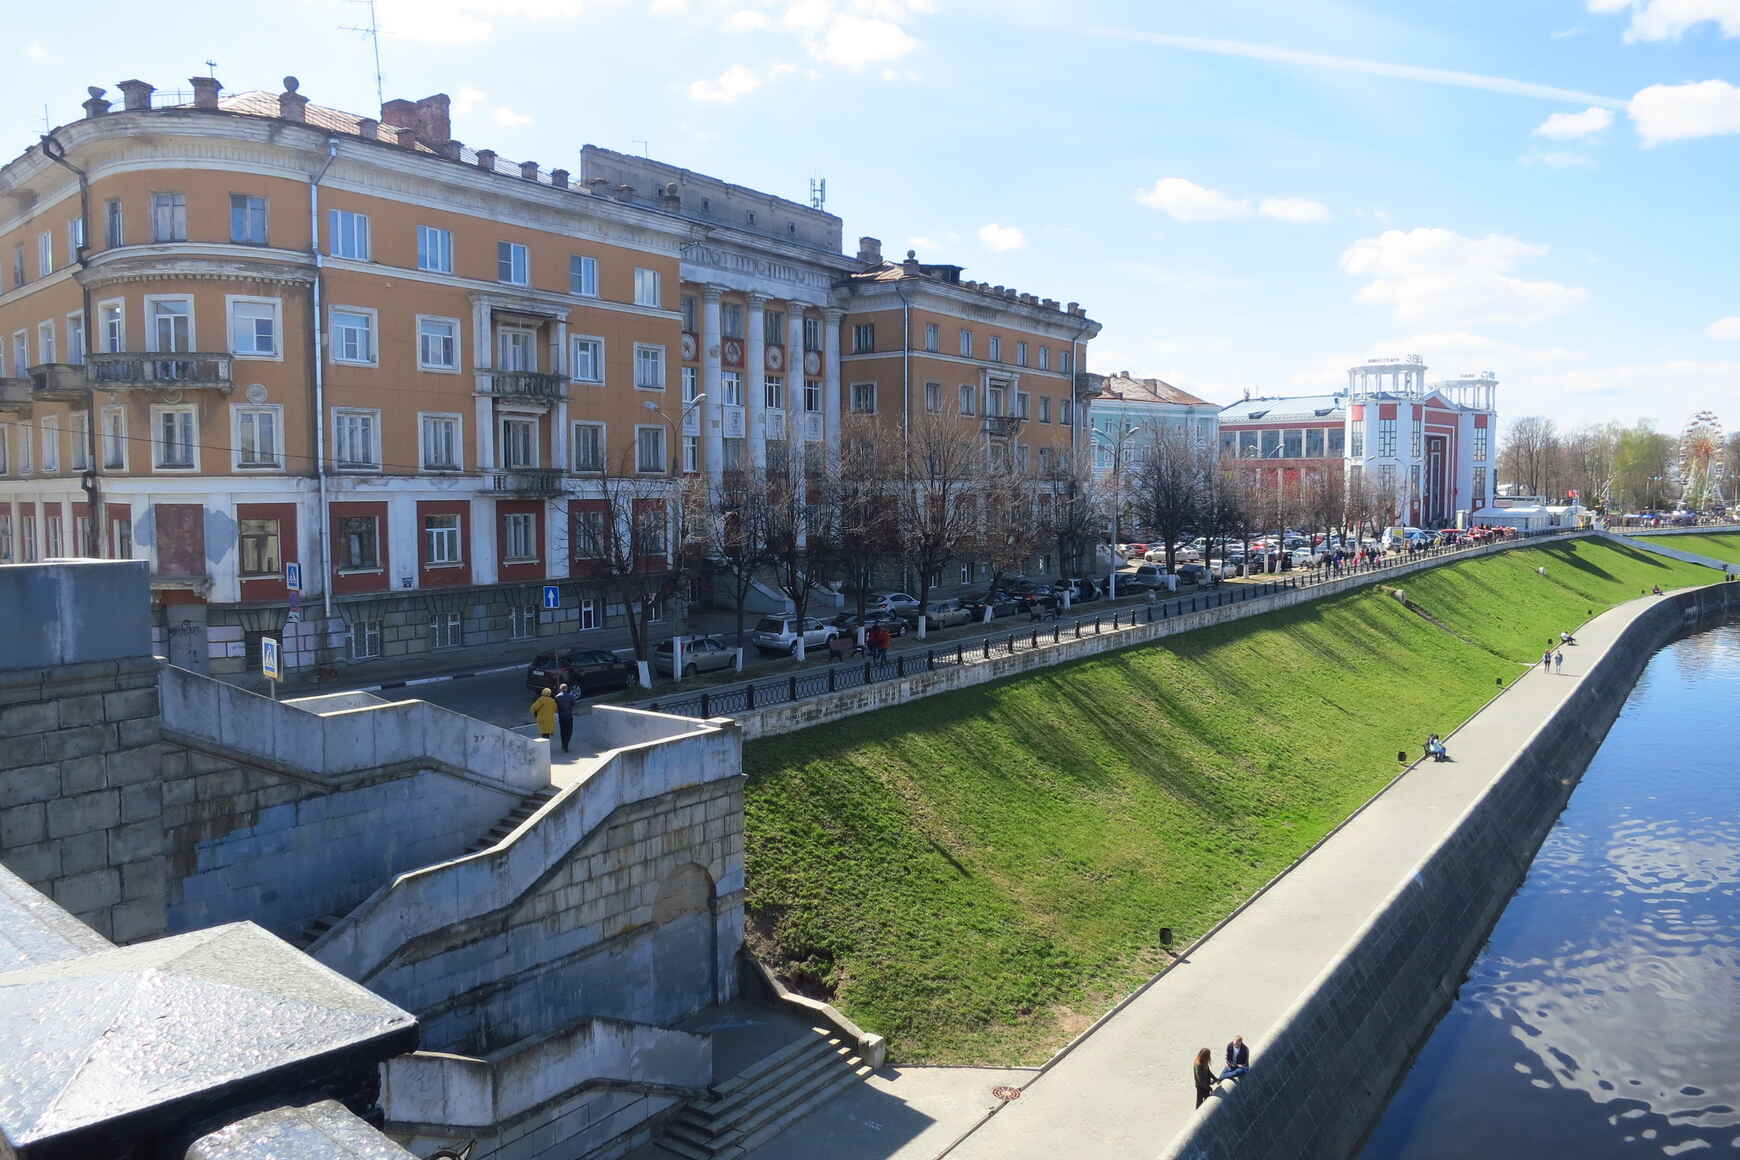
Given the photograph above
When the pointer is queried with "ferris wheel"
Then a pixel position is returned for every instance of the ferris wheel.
(1701, 465)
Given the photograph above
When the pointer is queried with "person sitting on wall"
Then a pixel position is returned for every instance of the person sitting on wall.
(1567, 638)
(1435, 749)
(1238, 1059)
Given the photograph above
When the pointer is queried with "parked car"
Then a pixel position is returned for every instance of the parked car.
(701, 654)
(894, 602)
(585, 670)
(940, 614)
(780, 634)
(1080, 589)
(1143, 576)
(847, 623)
(1002, 604)
(1194, 574)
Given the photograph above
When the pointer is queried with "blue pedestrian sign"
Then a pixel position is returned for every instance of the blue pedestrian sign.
(270, 666)
(552, 596)
(293, 575)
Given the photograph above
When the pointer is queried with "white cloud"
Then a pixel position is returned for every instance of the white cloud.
(1672, 19)
(466, 21)
(1725, 329)
(35, 51)
(1001, 238)
(1298, 210)
(1557, 159)
(747, 20)
(808, 15)
(1684, 112)
(731, 84)
(856, 42)
(1574, 126)
(1186, 201)
(467, 100)
(507, 118)
(1438, 277)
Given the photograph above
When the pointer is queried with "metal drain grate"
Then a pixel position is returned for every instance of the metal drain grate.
(1006, 1093)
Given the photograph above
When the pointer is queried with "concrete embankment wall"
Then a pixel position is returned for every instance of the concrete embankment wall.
(1328, 1071)
(1652, 544)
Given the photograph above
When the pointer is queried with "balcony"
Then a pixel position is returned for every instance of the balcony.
(528, 482)
(1002, 426)
(161, 372)
(535, 385)
(16, 396)
(57, 382)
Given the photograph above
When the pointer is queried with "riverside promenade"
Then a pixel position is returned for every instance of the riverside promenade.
(1124, 1088)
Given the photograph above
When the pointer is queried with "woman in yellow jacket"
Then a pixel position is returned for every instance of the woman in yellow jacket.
(544, 712)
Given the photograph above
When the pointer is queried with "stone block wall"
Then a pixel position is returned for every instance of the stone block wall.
(81, 802)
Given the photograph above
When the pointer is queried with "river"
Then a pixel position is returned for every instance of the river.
(1602, 1018)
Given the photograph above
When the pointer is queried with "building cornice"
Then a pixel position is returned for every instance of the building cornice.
(972, 306)
(205, 260)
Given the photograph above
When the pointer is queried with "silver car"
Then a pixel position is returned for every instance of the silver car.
(701, 654)
(939, 614)
(776, 635)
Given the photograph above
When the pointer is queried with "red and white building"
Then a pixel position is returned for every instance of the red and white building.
(1433, 446)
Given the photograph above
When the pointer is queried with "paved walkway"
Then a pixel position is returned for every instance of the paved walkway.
(1125, 1091)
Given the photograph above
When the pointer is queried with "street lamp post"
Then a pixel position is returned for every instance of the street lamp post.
(676, 641)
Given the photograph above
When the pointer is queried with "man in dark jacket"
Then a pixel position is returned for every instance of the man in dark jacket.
(565, 714)
(1238, 1059)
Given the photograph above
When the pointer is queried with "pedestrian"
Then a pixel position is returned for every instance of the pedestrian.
(1547, 660)
(1205, 1080)
(1238, 1059)
(544, 713)
(1559, 661)
(565, 699)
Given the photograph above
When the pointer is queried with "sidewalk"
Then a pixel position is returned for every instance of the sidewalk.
(1125, 1089)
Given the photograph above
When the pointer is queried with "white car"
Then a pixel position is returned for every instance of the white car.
(895, 602)
(775, 634)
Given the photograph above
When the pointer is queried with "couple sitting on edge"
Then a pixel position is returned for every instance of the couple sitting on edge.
(1238, 1063)
(1435, 748)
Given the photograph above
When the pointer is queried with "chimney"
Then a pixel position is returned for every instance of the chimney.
(559, 178)
(997, 290)
(292, 105)
(135, 95)
(406, 137)
(368, 128)
(1073, 307)
(598, 185)
(96, 106)
(869, 250)
(529, 170)
(1049, 303)
(449, 149)
(486, 160)
(910, 266)
(429, 117)
(205, 92)
(624, 192)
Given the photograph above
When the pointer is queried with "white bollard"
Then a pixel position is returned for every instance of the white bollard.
(737, 665)
(676, 658)
(1112, 586)
(644, 672)
(1066, 598)
(799, 653)
(921, 625)
(986, 619)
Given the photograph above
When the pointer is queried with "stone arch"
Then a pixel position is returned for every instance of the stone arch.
(686, 941)
(685, 890)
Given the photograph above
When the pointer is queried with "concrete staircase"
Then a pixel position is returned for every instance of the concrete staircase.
(508, 823)
(765, 1098)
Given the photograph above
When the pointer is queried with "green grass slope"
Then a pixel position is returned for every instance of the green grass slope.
(977, 875)
(1724, 546)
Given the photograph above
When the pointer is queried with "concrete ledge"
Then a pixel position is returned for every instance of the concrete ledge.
(872, 1048)
(1648, 544)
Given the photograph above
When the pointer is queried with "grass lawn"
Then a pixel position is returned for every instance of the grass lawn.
(1717, 547)
(978, 875)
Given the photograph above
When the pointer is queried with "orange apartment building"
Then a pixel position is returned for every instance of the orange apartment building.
(245, 331)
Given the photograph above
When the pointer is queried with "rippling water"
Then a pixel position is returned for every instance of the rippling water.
(1603, 1016)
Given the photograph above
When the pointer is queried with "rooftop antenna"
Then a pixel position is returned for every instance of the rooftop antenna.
(372, 30)
(210, 67)
(643, 147)
(45, 125)
(818, 192)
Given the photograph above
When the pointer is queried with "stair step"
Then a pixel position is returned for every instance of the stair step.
(769, 1063)
(820, 1054)
(779, 1104)
(792, 1115)
(685, 1150)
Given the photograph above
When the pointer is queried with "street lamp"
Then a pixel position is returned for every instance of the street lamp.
(652, 406)
(676, 641)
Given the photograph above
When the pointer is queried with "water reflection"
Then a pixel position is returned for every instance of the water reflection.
(1601, 1019)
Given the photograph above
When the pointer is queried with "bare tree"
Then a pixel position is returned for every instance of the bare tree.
(800, 531)
(1069, 513)
(1530, 455)
(1168, 487)
(1008, 533)
(1324, 500)
(861, 483)
(736, 535)
(936, 468)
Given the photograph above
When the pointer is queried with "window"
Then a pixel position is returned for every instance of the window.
(691, 316)
(775, 392)
(1418, 440)
(1021, 354)
(171, 324)
(365, 639)
(25, 461)
(44, 255)
(114, 223)
(1314, 443)
(435, 249)
(359, 543)
(115, 438)
(353, 336)
(588, 360)
(441, 442)
(1387, 478)
(1023, 404)
(20, 353)
(1337, 442)
(588, 615)
(864, 398)
(1479, 487)
(589, 535)
(1386, 437)
(649, 367)
(1045, 358)
(45, 342)
(583, 276)
(513, 264)
(1358, 442)
(731, 319)
(966, 343)
(994, 401)
(437, 343)
(168, 217)
(1271, 444)
(812, 334)
(51, 447)
(18, 265)
(354, 437)
(932, 337)
(348, 234)
(649, 449)
(933, 397)
(519, 536)
(1021, 458)
(813, 396)
(254, 327)
(1480, 445)
(691, 454)
(52, 529)
(519, 443)
(441, 538)
(996, 351)
(522, 621)
(258, 549)
(5, 439)
(5, 538)
(773, 327)
(588, 446)
(864, 338)
(1066, 361)
(121, 538)
(1066, 412)
(175, 426)
(446, 630)
(969, 399)
(257, 437)
(1293, 445)
(519, 349)
(114, 323)
(691, 384)
(247, 219)
(646, 287)
(75, 339)
(731, 388)
(1045, 408)
(651, 537)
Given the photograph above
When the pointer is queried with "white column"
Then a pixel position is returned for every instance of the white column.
(483, 541)
(556, 555)
(559, 436)
(226, 586)
(796, 418)
(68, 540)
(831, 379)
(485, 422)
(402, 536)
(712, 425)
(754, 380)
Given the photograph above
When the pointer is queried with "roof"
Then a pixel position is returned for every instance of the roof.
(1290, 408)
(912, 269)
(1128, 389)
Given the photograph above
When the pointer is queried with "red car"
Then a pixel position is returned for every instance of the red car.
(583, 670)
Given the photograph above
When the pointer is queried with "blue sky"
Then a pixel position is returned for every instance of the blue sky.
(1247, 195)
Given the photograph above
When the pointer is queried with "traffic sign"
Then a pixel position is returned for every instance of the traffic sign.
(552, 596)
(270, 665)
(293, 575)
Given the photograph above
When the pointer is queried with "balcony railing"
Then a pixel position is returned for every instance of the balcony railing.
(528, 385)
(59, 381)
(813, 426)
(527, 481)
(113, 372)
(1002, 425)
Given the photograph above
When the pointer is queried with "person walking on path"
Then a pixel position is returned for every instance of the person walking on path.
(1204, 1078)
(544, 713)
(1547, 661)
(1559, 661)
(1238, 1059)
(565, 699)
